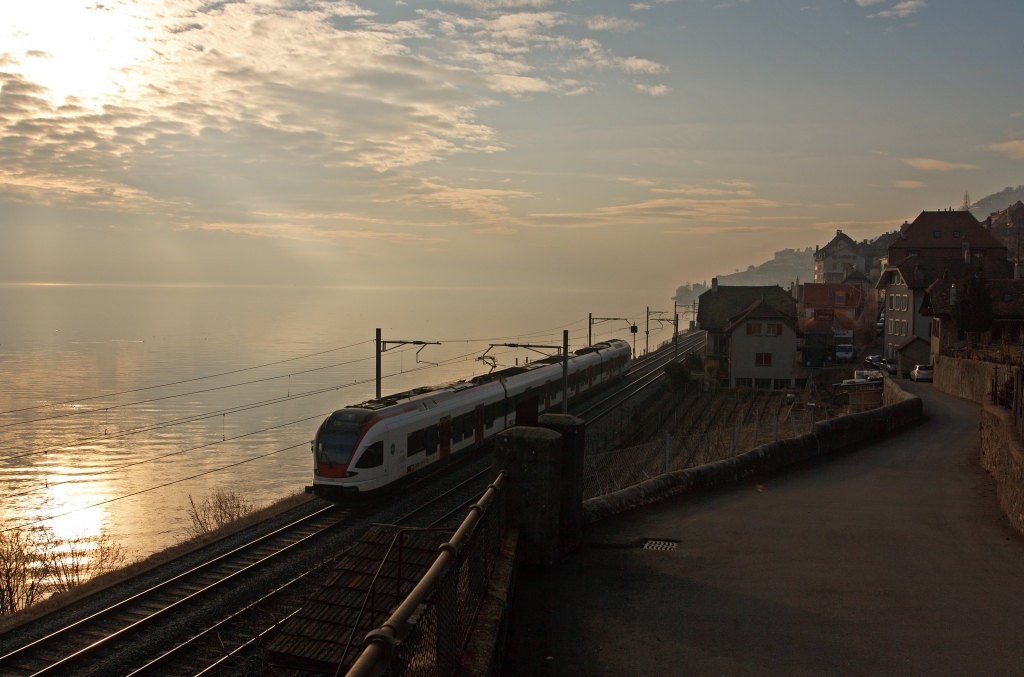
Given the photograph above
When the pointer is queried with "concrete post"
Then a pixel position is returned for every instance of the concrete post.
(574, 438)
(532, 461)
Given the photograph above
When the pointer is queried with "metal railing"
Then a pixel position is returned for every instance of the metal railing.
(428, 631)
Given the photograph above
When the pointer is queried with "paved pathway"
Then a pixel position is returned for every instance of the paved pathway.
(891, 560)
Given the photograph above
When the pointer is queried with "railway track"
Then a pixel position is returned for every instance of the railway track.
(229, 645)
(640, 377)
(94, 644)
(227, 642)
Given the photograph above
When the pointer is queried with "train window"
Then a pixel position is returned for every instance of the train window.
(490, 414)
(430, 439)
(456, 429)
(416, 444)
(572, 380)
(373, 456)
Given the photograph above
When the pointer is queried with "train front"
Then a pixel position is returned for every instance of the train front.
(348, 454)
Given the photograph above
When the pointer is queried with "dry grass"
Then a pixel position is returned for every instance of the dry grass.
(217, 510)
(130, 569)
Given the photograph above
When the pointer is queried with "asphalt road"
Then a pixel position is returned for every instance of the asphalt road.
(893, 559)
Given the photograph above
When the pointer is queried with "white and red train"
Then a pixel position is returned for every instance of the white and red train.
(369, 446)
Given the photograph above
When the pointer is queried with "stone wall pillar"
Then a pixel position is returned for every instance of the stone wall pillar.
(574, 438)
(532, 461)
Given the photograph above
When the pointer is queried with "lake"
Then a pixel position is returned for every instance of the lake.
(118, 403)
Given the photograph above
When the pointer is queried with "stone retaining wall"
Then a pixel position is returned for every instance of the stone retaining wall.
(828, 436)
(1002, 454)
(969, 379)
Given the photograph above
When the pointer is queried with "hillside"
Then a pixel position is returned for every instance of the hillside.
(997, 202)
(784, 269)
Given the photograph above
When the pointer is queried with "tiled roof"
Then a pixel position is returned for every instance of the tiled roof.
(1007, 297)
(856, 276)
(715, 308)
(910, 340)
(823, 294)
(838, 242)
(760, 309)
(920, 271)
(921, 233)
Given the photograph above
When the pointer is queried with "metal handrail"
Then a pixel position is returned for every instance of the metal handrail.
(380, 644)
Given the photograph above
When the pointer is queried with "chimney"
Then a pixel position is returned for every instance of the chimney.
(919, 273)
(838, 232)
(967, 251)
(714, 284)
(815, 249)
(952, 294)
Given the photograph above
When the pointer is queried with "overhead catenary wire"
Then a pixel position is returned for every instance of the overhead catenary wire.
(224, 387)
(194, 418)
(188, 380)
(179, 480)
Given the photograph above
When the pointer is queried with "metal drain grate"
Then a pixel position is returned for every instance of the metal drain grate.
(652, 544)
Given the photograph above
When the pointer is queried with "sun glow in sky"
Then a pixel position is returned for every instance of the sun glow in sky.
(460, 141)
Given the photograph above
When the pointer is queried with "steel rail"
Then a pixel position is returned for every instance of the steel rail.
(166, 587)
(175, 652)
(651, 373)
(380, 643)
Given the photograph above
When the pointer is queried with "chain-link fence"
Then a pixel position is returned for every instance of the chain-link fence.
(438, 631)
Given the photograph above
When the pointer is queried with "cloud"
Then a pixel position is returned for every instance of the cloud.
(900, 10)
(634, 64)
(653, 90)
(909, 184)
(490, 5)
(600, 22)
(637, 6)
(1012, 149)
(930, 165)
(868, 3)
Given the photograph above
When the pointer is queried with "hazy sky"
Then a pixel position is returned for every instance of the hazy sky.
(487, 143)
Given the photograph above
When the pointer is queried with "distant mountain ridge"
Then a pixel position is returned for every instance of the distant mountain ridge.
(997, 202)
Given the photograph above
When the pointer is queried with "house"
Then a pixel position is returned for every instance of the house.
(945, 235)
(905, 286)
(912, 352)
(936, 244)
(837, 259)
(1008, 226)
(831, 315)
(763, 349)
(721, 311)
(1007, 307)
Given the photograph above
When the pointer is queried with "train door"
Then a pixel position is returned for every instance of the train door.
(478, 423)
(444, 429)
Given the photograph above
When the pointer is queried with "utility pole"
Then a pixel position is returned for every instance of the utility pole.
(675, 339)
(647, 332)
(590, 325)
(565, 371)
(382, 347)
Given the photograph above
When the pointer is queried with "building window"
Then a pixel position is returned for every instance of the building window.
(889, 301)
(762, 359)
(774, 330)
(744, 383)
(780, 384)
(721, 345)
(903, 302)
(911, 252)
(753, 328)
(840, 298)
(763, 383)
(956, 233)
(979, 254)
(937, 233)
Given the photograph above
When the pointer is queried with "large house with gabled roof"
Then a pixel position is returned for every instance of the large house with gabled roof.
(937, 244)
(751, 336)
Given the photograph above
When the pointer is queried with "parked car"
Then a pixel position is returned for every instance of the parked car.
(845, 352)
(922, 372)
(873, 362)
(890, 365)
